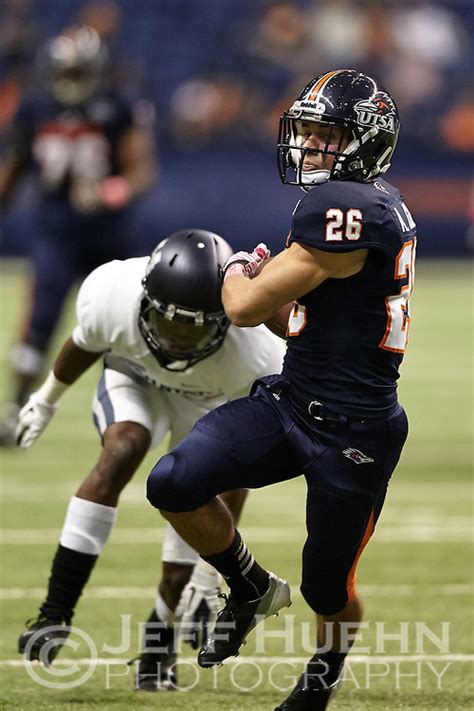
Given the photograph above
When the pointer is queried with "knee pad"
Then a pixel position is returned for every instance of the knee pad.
(324, 598)
(324, 585)
(171, 487)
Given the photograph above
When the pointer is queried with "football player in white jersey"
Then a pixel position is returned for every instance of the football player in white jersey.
(170, 356)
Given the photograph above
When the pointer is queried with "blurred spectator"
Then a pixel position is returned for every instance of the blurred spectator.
(277, 49)
(203, 108)
(457, 125)
(92, 152)
(104, 16)
(339, 31)
(17, 38)
(428, 32)
(427, 39)
(281, 37)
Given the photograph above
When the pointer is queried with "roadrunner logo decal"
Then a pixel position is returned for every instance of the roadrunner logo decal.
(356, 455)
(376, 112)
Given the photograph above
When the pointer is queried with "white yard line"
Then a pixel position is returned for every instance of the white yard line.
(353, 659)
(442, 531)
(138, 593)
(408, 492)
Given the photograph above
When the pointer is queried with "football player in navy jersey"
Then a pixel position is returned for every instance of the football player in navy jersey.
(339, 292)
(92, 151)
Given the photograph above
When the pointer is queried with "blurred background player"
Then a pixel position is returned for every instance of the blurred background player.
(170, 357)
(92, 151)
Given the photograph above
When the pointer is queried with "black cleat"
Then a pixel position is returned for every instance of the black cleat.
(156, 672)
(157, 663)
(235, 621)
(42, 639)
(314, 689)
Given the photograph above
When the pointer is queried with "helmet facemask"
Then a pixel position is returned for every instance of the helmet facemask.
(73, 65)
(179, 337)
(73, 86)
(181, 316)
(292, 154)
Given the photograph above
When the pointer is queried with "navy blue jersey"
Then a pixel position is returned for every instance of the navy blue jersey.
(346, 338)
(68, 144)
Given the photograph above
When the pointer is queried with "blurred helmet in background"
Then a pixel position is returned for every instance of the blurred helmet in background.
(354, 102)
(181, 315)
(73, 65)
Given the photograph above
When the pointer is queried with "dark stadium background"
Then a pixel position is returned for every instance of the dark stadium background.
(220, 71)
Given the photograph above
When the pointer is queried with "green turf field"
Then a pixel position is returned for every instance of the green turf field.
(416, 575)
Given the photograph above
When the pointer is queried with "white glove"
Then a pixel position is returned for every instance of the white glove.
(199, 608)
(246, 263)
(199, 604)
(32, 420)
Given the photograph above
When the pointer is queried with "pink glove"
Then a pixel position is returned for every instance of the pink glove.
(246, 264)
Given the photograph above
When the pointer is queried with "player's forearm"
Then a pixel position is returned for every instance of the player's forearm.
(72, 362)
(243, 305)
(278, 322)
(140, 181)
(137, 161)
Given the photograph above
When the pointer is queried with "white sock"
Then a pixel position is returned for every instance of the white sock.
(164, 613)
(87, 526)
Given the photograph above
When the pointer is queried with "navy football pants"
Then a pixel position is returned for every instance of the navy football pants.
(66, 249)
(257, 441)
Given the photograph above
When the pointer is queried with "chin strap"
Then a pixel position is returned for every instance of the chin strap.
(312, 178)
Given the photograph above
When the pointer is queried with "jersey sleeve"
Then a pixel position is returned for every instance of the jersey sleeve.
(91, 332)
(337, 217)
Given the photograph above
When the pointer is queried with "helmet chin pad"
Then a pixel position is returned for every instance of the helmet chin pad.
(297, 157)
(313, 177)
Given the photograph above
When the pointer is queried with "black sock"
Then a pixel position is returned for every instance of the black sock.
(69, 574)
(246, 579)
(156, 634)
(324, 668)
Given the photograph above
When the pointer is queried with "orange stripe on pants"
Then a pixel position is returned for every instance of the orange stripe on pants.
(351, 578)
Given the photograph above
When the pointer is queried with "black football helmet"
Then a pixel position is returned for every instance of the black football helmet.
(181, 315)
(354, 102)
(73, 65)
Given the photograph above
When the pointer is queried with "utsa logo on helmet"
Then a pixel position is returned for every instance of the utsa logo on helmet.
(376, 112)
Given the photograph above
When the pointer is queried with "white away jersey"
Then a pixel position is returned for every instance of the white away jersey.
(107, 320)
